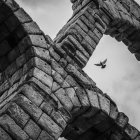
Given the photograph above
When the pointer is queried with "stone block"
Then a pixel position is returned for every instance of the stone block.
(32, 129)
(4, 86)
(55, 87)
(12, 128)
(18, 114)
(12, 23)
(42, 53)
(47, 108)
(5, 10)
(72, 95)
(28, 66)
(12, 5)
(12, 89)
(16, 77)
(5, 47)
(116, 136)
(131, 131)
(57, 117)
(122, 120)
(45, 136)
(32, 40)
(82, 97)
(50, 126)
(54, 54)
(78, 45)
(104, 103)
(42, 86)
(49, 40)
(31, 28)
(87, 46)
(85, 36)
(58, 68)
(64, 99)
(80, 76)
(13, 54)
(42, 65)
(65, 114)
(20, 61)
(87, 22)
(57, 77)
(28, 106)
(82, 24)
(4, 135)
(94, 38)
(22, 16)
(38, 41)
(4, 32)
(137, 138)
(113, 111)
(32, 94)
(43, 77)
(94, 102)
(63, 62)
(81, 58)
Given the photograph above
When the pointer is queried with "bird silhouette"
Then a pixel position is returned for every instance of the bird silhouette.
(102, 64)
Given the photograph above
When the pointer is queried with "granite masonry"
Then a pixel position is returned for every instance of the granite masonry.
(44, 93)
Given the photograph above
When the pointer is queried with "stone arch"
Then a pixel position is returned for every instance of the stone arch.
(44, 94)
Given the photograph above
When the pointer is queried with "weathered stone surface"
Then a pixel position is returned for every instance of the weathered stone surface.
(50, 126)
(45, 136)
(94, 101)
(22, 16)
(27, 105)
(42, 76)
(122, 120)
(11, 127)
(64, 99)
(83, 97)
(80, 78)
(58, 119)
(131, 131)
(42, 86)
(137, 138)
(19, 116)
(32, 94)
(43, 89)
(58, 68)
(104, 103)
(4, 135)
(32, 129)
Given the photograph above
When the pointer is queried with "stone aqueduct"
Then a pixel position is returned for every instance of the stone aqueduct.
(44, 94)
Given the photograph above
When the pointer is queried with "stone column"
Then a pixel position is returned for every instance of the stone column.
(82, 33)
(28, 109)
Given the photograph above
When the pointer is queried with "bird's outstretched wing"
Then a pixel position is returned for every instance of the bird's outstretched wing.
(104, 62)
(97, 64)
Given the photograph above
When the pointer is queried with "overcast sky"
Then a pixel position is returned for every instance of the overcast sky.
(121, 78)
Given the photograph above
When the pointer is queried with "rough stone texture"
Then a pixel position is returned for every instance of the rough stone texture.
(44, 93)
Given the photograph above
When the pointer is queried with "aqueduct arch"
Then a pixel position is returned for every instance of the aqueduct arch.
(44, 94)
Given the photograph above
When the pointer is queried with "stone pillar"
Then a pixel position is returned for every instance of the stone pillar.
(28, 109)
(80, 36)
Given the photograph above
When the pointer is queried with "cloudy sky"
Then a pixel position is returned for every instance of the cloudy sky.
(121, 78)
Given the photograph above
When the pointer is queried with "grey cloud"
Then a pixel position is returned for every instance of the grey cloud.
(35, 3)
(127, 94)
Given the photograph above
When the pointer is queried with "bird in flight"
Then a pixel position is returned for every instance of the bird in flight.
(102, 64)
